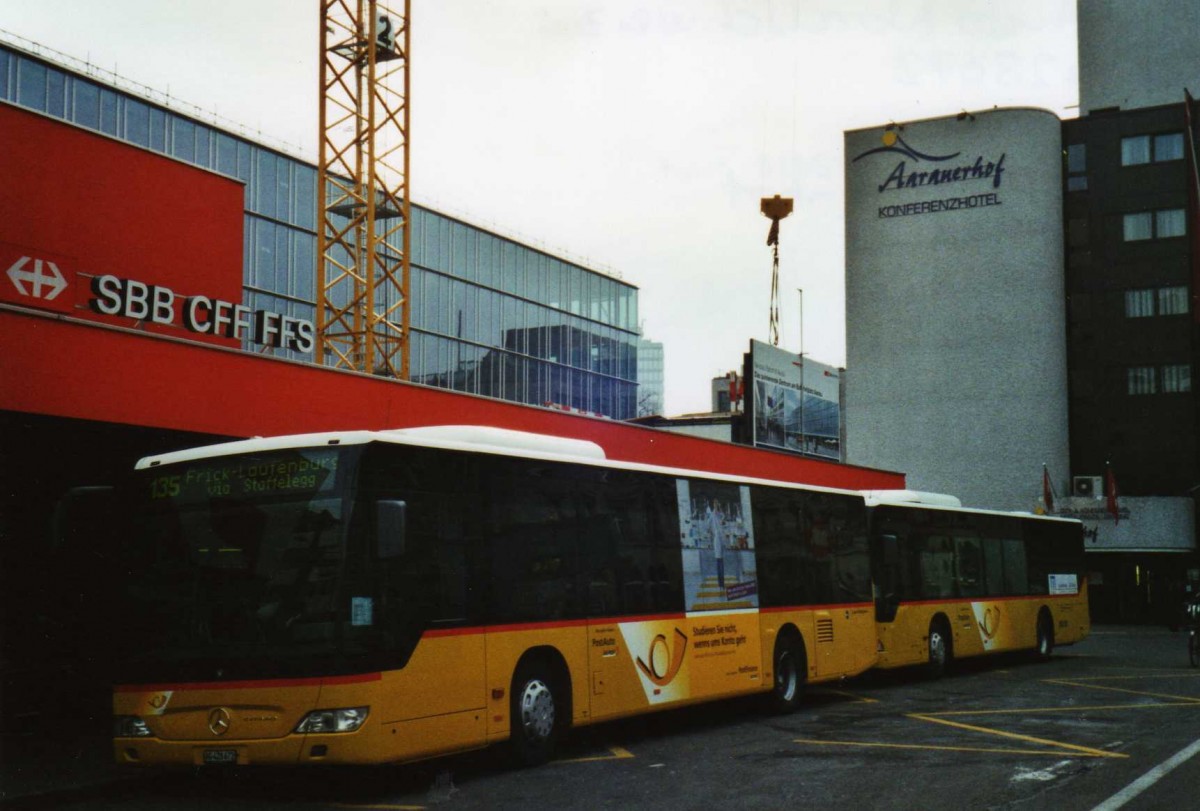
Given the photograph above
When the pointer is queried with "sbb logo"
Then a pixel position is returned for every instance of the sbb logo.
(44, 281)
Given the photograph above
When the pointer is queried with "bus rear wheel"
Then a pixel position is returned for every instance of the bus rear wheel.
(940, 650)
(535, 713)
(791, 671)
(1045, 636)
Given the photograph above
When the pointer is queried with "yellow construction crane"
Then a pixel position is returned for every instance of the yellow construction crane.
(362, 184)
(775, 209)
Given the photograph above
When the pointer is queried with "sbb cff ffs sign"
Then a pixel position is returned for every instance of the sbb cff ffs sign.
(130, 298)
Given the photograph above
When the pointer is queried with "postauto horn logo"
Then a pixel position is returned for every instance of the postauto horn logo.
(664, 665)
(902, 177)
(660, 659)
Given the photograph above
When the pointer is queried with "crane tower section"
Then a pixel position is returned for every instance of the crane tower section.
(363, 237)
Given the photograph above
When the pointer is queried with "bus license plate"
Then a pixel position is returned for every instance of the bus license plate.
(220, 756)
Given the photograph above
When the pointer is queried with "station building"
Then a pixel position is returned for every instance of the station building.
(1021, 291)
(491, 316)
(157, 292)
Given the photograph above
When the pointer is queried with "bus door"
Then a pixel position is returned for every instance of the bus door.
(428, 606)
(638, 638)
(635, 647)
(427, 569)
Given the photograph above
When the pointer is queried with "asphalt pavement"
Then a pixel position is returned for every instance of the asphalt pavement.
(55, 768)
(49, 767)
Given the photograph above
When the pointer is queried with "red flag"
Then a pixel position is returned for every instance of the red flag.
(1110, 495)
(1047, 490)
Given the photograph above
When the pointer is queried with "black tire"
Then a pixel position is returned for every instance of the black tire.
(941, 649)
(1045, 636)
(1194, 648)
(791, 673)
(536, 710)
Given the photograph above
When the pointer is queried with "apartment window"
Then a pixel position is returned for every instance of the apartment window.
(1168, 147)
(1139, 303)
(1077, 167)
(1150, 301)
(1161, 224)
(1139, 226)
(1142, 149)
(1142, 380)
(1173, 300)
(1135, 150)
(1177, 378)
(1170, 222)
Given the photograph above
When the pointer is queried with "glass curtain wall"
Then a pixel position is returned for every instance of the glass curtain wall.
(489, 316)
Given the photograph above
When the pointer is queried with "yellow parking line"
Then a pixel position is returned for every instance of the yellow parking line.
(992, 749)
(1184, 699)
(1149, 674)
(1076, 708)
(618, 753)
(858, 699)
(1084, 750)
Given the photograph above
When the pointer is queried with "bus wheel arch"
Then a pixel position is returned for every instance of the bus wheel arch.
(1045, 633)
(790, 670)
(940, 646)
(539, 705)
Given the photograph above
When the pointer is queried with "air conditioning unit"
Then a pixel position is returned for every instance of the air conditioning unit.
(1087, 486)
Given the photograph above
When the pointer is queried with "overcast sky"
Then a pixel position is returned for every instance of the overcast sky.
(634, 136)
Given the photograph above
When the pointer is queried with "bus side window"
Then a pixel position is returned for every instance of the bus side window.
(851, 560)
(937, 566)
(993, 567)
(776, 534)
(1016, 580)
(666, 569)
(534, 538)
(887, 598)
(606, 517)
(969, 562)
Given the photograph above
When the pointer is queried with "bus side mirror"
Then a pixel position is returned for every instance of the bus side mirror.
(389, 528)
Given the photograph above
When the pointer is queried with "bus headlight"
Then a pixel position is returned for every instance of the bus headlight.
(130, 726)
(344, 720)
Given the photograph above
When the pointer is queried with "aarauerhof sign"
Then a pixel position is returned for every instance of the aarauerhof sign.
(920, 170)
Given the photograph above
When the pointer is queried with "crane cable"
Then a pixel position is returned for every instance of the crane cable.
(773, 241)
(775, 208)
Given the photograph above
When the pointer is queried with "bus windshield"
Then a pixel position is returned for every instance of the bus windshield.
(240, 562)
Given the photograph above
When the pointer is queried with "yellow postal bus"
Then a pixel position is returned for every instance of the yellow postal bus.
(952, 583)
(386, 596)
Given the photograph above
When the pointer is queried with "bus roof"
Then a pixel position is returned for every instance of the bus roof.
(904, 497)
(526, 444)
(473, 438)
(941, 501)
(453, 437)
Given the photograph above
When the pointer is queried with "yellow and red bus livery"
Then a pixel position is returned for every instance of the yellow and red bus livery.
(386, 596)
(952, 583)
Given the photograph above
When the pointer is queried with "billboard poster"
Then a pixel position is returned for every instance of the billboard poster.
(717, 539)
(796, 402)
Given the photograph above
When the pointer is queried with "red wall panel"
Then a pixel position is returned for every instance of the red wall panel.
(93, 205)
(54, 366)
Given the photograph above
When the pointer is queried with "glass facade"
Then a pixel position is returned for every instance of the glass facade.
(651, 378)
(489, 316)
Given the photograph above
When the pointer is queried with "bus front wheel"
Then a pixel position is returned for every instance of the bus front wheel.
(535, 713)
(791, 671)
